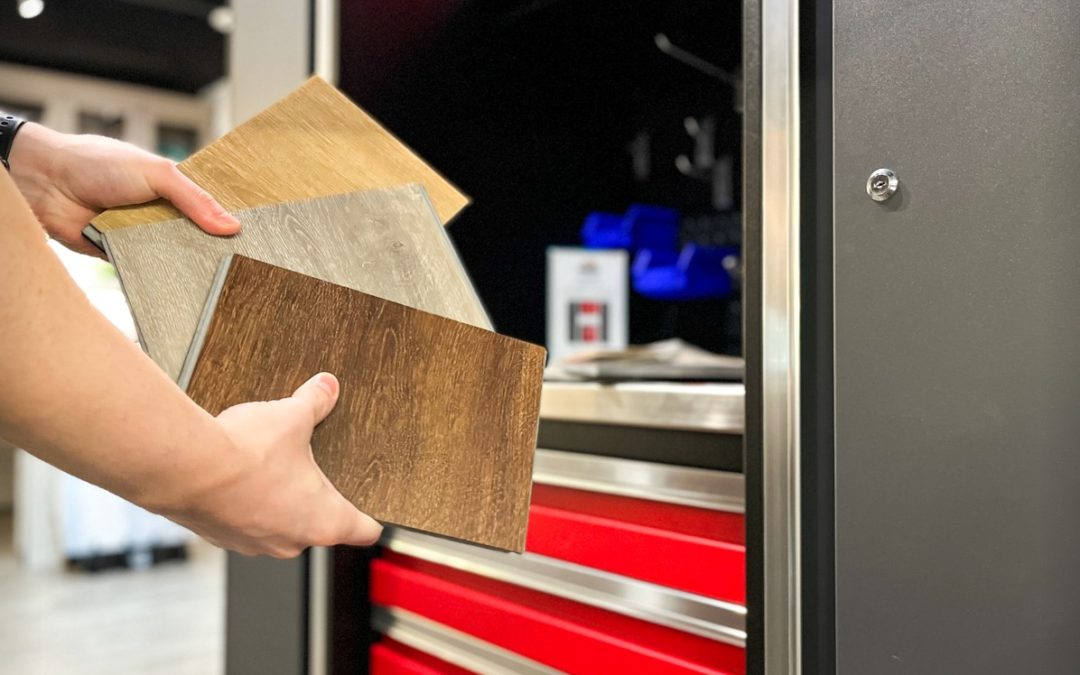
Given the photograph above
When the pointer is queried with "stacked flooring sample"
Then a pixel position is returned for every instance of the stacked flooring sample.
(385, 242)
(312, 143)
(434, 420)
(436, 425)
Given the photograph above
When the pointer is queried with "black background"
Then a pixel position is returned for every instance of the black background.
(529, 108)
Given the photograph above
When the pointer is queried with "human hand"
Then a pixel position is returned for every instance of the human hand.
(273, 498)
(69, 179)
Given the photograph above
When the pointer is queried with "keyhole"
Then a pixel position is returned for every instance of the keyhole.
(881, 185)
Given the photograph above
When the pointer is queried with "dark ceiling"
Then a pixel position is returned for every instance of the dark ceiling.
(161, 43)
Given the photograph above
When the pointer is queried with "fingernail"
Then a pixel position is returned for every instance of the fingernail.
(230, 220)
(328, 383)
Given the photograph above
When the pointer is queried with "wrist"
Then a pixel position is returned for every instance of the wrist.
(188, 485)
(33, 154)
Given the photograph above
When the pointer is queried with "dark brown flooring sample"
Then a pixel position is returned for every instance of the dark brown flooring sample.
(436, 425)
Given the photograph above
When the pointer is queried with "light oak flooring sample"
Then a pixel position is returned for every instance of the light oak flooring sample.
(385, 242)
(435, 427)
(314, 142)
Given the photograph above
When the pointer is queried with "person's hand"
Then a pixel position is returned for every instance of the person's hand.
(69, 179)
(274, 499)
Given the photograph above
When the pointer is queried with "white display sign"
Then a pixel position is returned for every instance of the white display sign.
(587, 295)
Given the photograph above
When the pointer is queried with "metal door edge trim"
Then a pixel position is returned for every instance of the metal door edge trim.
(318, 620)
(780, 331)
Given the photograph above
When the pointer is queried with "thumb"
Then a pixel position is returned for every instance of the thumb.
(355, 528)
(193, 201)
(319, 394)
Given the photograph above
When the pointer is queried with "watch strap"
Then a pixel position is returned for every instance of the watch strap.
(9, 126)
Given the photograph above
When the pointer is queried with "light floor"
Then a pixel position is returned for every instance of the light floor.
(167, 620)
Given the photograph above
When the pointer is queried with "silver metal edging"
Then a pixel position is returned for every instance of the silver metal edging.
(452, 645)
(713, 619)
(710, 408)
(325, 36)
(318, 609)
(689, 486)
(780, 313)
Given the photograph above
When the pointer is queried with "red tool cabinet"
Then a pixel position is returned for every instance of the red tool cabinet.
(631, 567)
(683, 547)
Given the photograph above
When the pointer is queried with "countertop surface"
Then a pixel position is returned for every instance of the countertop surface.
(717, 407)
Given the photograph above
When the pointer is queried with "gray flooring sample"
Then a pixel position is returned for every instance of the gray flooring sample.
(388, 243)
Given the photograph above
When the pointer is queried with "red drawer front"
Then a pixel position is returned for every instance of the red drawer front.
(560, 633)
(690, 549)
(389, 657)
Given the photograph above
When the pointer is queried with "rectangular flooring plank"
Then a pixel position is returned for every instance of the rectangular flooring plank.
(312, 143)
(435, 426)
(385, 242)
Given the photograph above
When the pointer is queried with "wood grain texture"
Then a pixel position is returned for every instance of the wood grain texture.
(314, 142)
(435, 428)
(385, 242)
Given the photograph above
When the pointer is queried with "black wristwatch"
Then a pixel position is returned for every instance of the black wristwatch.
(9, 126)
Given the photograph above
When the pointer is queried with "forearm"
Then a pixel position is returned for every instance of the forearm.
(78, 394)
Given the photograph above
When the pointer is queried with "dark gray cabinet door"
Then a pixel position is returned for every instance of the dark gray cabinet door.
(957, 333)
